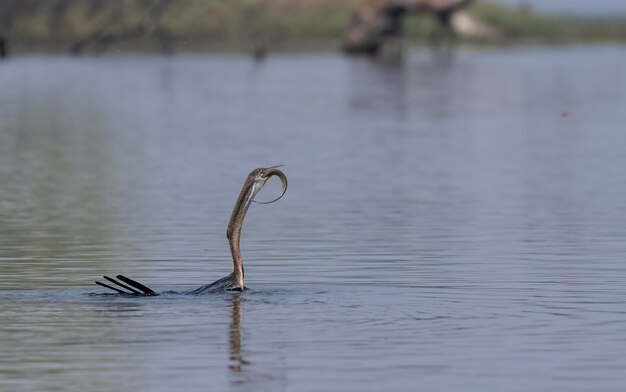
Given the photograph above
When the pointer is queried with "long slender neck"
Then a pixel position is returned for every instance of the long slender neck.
(233, 233)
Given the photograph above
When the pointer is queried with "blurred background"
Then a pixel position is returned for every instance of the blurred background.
(455, 218)
(79, 26)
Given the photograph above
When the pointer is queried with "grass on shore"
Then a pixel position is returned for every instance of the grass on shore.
(274, 22)
(525, 25)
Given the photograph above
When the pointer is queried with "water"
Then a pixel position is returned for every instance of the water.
(452, 222)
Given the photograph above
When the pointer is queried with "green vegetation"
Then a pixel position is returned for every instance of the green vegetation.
(215, 21)
(268, 23)
(525, 25)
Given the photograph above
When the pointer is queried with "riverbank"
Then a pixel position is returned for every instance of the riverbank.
(268, 24)
(522, 24)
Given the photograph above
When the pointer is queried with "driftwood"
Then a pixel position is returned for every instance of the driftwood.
(376, 21)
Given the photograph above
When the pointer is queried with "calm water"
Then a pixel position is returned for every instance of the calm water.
(453, 223)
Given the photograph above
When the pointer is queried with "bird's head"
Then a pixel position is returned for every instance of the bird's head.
(261, 175)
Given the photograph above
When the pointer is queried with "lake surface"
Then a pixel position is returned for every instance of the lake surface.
(454, 222)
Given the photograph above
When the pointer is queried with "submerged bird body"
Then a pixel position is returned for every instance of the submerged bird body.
(227, 283)
(235, 281)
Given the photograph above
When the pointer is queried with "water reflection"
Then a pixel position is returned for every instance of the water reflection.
(236, 356)
(378, 87)
(268, 370)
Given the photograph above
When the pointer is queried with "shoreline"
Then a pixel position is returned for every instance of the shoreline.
(322, 48)
(298, 25)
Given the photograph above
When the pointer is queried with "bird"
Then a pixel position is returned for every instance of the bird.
(234, 281)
